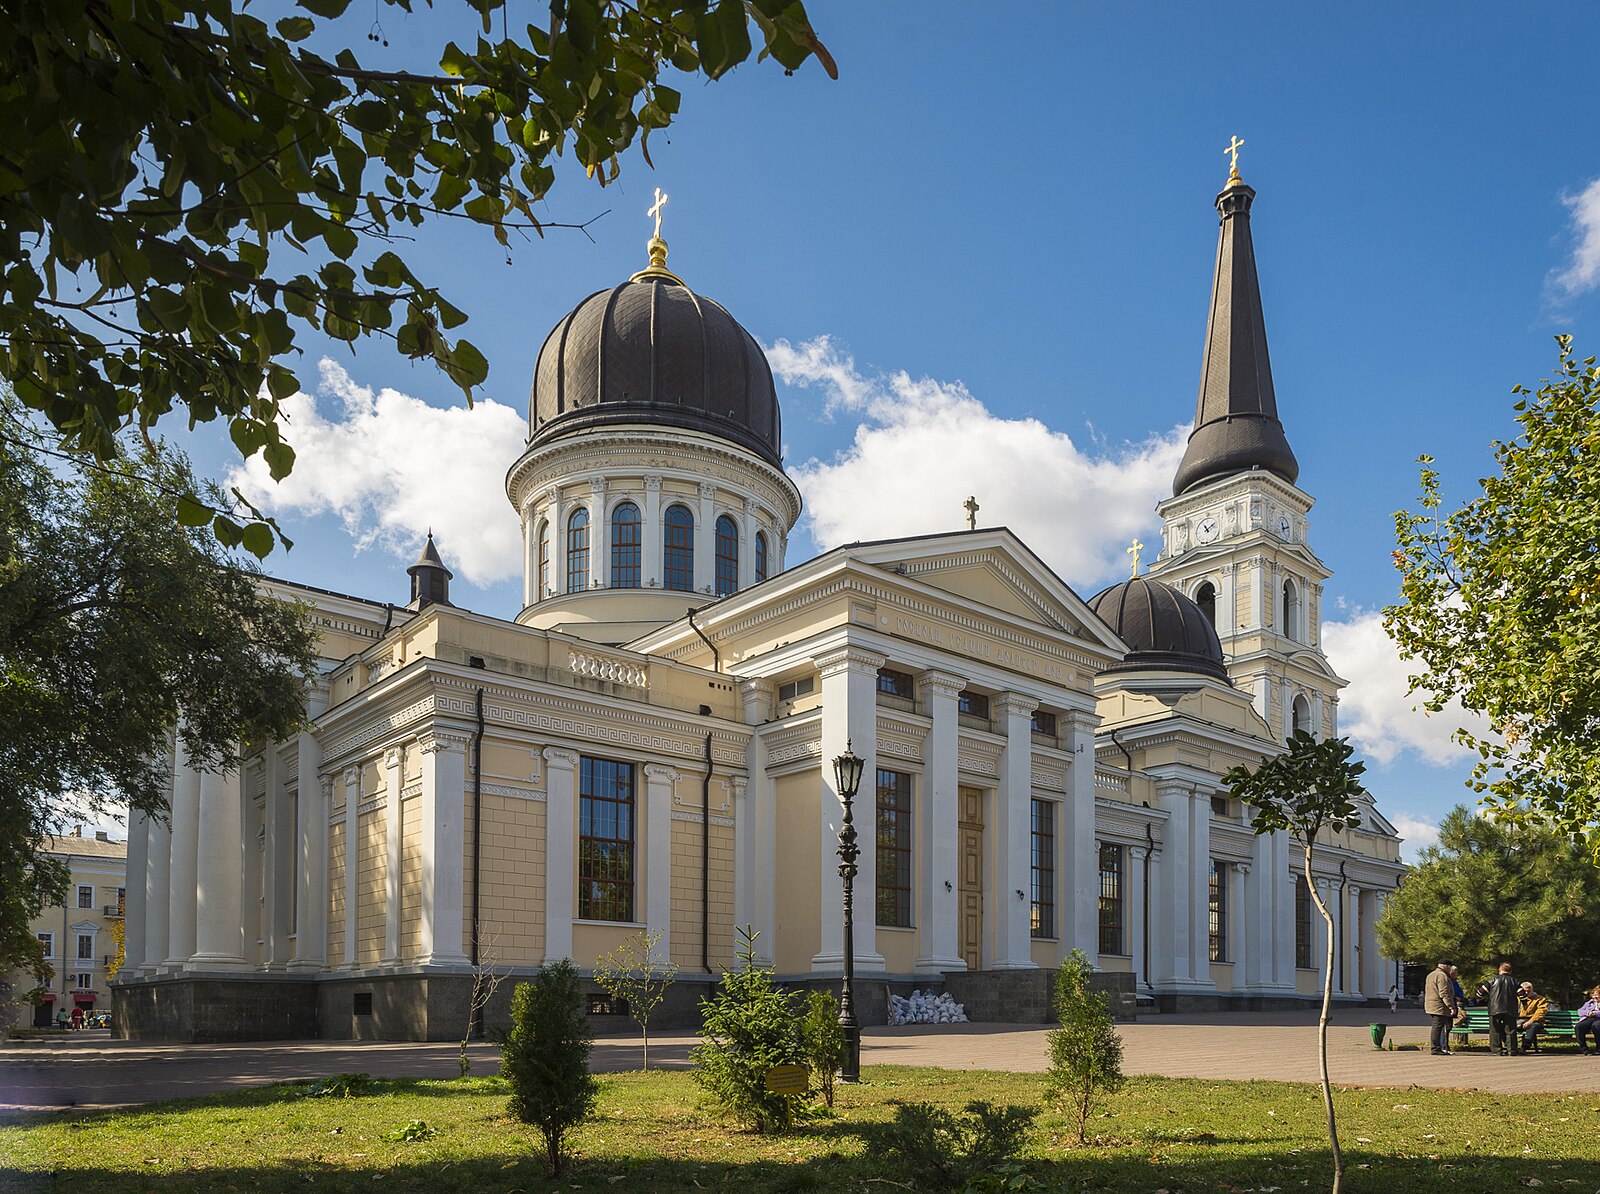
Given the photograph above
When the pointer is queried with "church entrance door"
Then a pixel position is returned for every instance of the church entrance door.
(970, 900)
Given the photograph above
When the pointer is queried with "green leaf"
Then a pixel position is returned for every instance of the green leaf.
(257, 540)
(192, 512)
(296, 28)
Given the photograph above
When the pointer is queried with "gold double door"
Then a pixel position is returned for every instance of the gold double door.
(970, 894)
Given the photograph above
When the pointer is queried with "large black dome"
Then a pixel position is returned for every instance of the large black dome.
(1166, 630)
(653, 351)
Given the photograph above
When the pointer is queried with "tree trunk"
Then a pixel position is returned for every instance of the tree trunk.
(645, 1028)
(1322, 1027)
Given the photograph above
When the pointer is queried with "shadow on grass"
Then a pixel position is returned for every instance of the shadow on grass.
(1176, 1168)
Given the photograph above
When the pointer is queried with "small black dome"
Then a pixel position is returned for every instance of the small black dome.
(653, 351)
(1166, 630)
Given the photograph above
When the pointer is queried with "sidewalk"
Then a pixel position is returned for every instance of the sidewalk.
(90, 1070)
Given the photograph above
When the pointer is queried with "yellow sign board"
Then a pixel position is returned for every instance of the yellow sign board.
(788, 1079)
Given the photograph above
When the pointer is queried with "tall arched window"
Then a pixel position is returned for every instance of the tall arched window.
(1206, 598)
(544, 560)
(578, 551)
(677, 534)
(1300, 715)
(761, 556)
(1291, 610)
(727, 556)
(625, 546)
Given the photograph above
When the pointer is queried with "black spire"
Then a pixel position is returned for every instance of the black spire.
(430, 579)
(1236, 424)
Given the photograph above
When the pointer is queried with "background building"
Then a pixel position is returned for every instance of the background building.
(77, 935)
(647, 745)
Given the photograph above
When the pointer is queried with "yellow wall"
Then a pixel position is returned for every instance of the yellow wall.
(1222, 975)
(687, 853)
(511, 912)
(411, 876)
(369, 887)
(899, 949)
(797, 884)
(336, 889)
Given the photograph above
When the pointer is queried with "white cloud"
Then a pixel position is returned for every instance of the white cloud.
(1582, 272)
(1418, 831)
(1377, 712)
(390, 466)
(922, 446)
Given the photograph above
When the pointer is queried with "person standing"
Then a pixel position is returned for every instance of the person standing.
(1500, 993)
(1439, 1002)
(1532, 1008)
(1589, 1022)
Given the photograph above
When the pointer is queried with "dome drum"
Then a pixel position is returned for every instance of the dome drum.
(1166, 631)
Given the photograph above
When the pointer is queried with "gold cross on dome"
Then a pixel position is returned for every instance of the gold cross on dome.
(1233, 152)
(1134, 552)
(971, 507)
(655, 210)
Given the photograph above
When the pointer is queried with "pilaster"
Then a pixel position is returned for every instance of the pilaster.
(1013, 949)
(441, 813)
(650, 534)
(352, 863)
(394, 836)
(938, 838)
(560, 851)
(659, 784)
(1081, 892)
(1134, 911)
(756, 826)
(277, 862)
(312, 803)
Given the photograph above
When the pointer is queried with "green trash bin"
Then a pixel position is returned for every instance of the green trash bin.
(1378, 1032)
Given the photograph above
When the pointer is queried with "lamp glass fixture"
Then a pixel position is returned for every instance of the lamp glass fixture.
(847, 770)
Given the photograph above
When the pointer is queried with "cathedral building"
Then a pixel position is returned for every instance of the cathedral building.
(647, 746)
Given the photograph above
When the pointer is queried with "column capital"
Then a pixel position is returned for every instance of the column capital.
(392, 756)
(326, 782)
(940, 684)
(708, 490)
(652, 482)
(1015, 704)
(352, 776)
(741, 785)
(1139, 853)
(558, 757)
(434, 741)
(854, 660)
(1242, 867)
(660, 773)
(756, 698)
(751, 507)
(597, 486)
(1076, 722)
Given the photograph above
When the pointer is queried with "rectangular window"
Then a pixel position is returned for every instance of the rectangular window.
(1219, 806)
(47, 942)
(1302, 924)
(85, 947)
(894, 849)
(84, 982)
(85, 896)
(1043, 863)
(795, 689)
(122, 901)
(1217, 911)
(605, 839)
(1111, 898)
(1044, 722)
(893, 683)
(973, 704)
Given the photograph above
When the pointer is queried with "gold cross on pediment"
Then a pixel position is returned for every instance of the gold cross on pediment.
(1134, 552)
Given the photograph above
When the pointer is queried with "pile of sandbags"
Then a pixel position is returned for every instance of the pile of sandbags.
(924, 1007)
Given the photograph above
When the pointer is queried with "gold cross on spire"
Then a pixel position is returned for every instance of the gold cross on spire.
(655, 210)
(971, 507)
(1134, 552)
(1233, 154)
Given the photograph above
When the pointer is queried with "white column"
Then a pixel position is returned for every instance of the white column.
(278, 864)
(184, 862)
(1013, 948)
(1133, 911)
(650, 535)
(157, 883)
(252, 885)
(133, 904)
(1320, 930)
(1200, 877)
(311, 840)
(748, 526)
(1287, 878)
(599, 535)
(352, 862)
(849, 719)
(705, 540)
(559, 509)
(1081, 891)
(741, 849)
(1171, 954)
(938, 836)
(1241, 949)
(219, 922)
(757, 825)
(560, 851)
(1352, 937)
(530, 557)
(393, 828)
(1380, 975)
(441, 811)
(659, 784)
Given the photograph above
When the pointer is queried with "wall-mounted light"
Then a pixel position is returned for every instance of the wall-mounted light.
(1020, 896)
(947, 886)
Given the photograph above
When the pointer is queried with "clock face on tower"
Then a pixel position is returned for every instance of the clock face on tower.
(1207, 531)
(1284, 526)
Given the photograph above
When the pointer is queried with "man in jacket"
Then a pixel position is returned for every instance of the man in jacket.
(1531, 1010)
(1500, 993)
(1439, 1002)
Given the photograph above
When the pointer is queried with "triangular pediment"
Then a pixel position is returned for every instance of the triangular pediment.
(994, 569)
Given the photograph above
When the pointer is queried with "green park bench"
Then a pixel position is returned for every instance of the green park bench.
(1556, 1023)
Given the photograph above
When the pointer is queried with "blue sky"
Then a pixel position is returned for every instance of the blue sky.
(1000, 220)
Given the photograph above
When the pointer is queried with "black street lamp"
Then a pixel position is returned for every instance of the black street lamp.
(847, 777)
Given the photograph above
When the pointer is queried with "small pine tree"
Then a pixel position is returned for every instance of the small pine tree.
(822, 1040)
(1086, 1051)
(636, 974)
(749, 1027)
(545, 1057)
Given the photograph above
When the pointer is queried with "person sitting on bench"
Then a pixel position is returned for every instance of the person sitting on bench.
(1531, 1011)
(1589, 1022)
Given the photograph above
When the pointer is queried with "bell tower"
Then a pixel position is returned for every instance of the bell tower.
(1236, 536)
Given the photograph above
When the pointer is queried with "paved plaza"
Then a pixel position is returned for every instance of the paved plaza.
(90, 1070)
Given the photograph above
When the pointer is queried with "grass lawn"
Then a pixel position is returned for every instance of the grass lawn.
(653, 1133)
